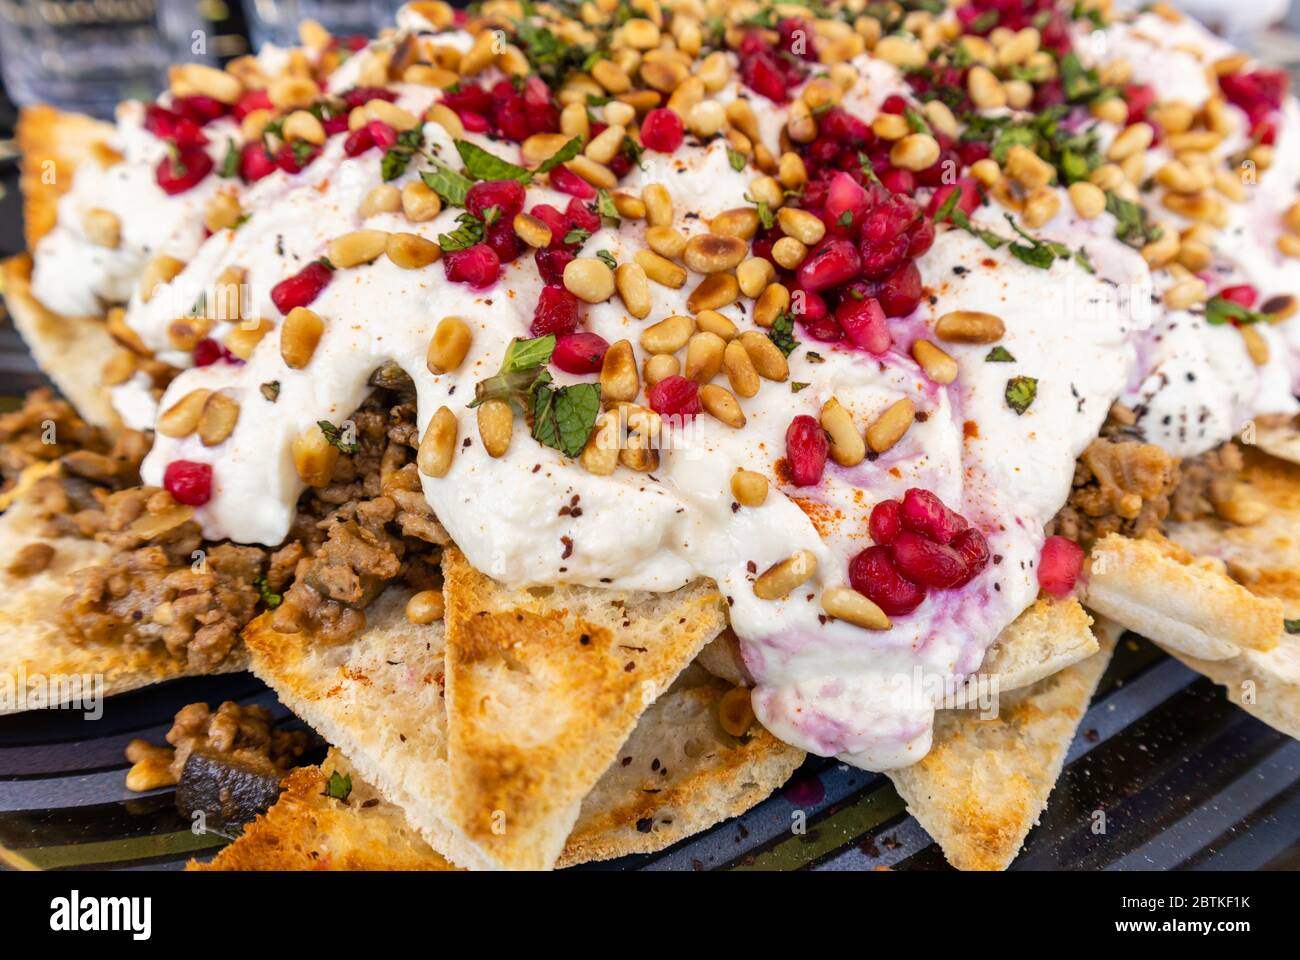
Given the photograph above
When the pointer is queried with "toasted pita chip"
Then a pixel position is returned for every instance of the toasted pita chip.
(1280, 441)
(307, 830)
(38, 652)
(984, 783)
(70, 350)
(379, 698)
(1161, 591)
(53, 145)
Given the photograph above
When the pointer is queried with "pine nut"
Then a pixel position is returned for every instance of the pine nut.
(941, 118)
(438, 445)
(766, 356)
(119, 367)
(419, 202)
(115, 324)
(740, 114)
(658, 205)
(1289, 245)
(771, 303)
(789, 253)
(847, 446)
(902, 51)
(1186, 294)
(390, 113)
(1042, 204)
(805, 227)
(496, 422)
(791, 171)
(182, 417)
(447, 118)
(666, 241)
(888, 428)
(611, 76)
(713, 253)
(629, 207)
(633, 289)
(938, 365)
(714, 292)
(314, 457)
(1256, 345)
(890, 126)
(162, 269)
(845, 603)
(384, 198)
(660, 269)
(225, 301)
(448, 346)
(102, 228)
(600, 456)
(593, 172)
(425, 607)
(288, 92)
(1028, 168)
(358, 247)
(705, 119)
(299, 334)
(754, 275)
(606, 145)
(301, 125)
(668, 335)
(776, 582)
(191, 78)
(1111, 110)
(749, 488)
(643, 428)
(184, 333)
(767, 190)
(985, 90)
(1159, 252)
(242, 340)
(720, 403)
(410, 251)
(916, 151)
(218, 419)
(969, 326)
(589, 279)
(1088, 199)
(531, 231)
(1135, 139)
(618, 377)
(714, 322)
(704, 356)
(221, 211)
(741, 373)
(739, 222)
(659, 366)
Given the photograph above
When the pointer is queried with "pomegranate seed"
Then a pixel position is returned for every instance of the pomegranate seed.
(543, 115)
(302, 288)
(1243, 295)
(554, 219)
(920, 238)
(199, 108)
(661, 130)
(967, 202)
(566, 181)
(873, 574)
(511, 118)
(926, 562)
(358, 142)
(207, 352)
(806, 448)
(189, 482)
(1140, 98)
(479, 266)
(810, 308)
(863, 322)
(382, 134)
(176, 175)
(839, 124)
(580, 352)
(832, 262)
(360, 96)
(254, 162)
(582, 216)
(925, 513)
(1059, 566)
(901, 291)
(252, 100)
(292, 160)
(166, 125)
(675, 396)
(894, 103)
(557, 312)
(475, 122)
(846, 196)
(551, 263)
(974, 551)
(502, 238)
(886, 521)
(761, 74)
(899, 181)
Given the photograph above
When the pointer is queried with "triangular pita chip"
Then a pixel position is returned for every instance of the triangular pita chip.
(1280, 441)
(53, 144)
(984, 783)
(36, 648)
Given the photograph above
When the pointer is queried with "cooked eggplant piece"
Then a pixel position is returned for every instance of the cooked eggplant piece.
(231, 790)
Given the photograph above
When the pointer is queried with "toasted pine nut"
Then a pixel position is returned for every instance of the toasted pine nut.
(629, 207)
(704, 356)
(888, 428)
(789, 252)
(390, 113)
(902, 51)
(791, 171)
(611, 76)
(640, 452)
(115, 324)
(447, 118)
(242, 340)
(845, 603)
(606, 145)
(714, 322)
(771, 303)
(1256, 345)
(419, 202)
(658, 205)
(1041, 206)
(985, 90)
(739, 222)
(714, 292)
(410, 251)
(619, 381)
(357, 248)
(1289, 245)
(1110, 110)
(448, 345)
(1186, 294)
(767, 358)
(299, 334)
(287, 92)
(916, 151)
(438, 445)
(314, 457)
(767, 190)
(161, 269)
(847, 446)
(668, 335)
(659, 366)
(1088, 199)
(119, 367)
(706, 119)
(1134, 139)
(218, 419)
(184, 333)
(721, 404)
(890, 126)
(600, 456)
(1028, 168)
(805, 227)
(221, 211)
(749, 488)
(191, 78)
(969, 326)
(531, 231)
(741, 373)
(938, 366)
(1161, 251)
(660, 269)
(713, 253)
(776, 582)
(589, 279)
(425, 607)
(384, 198)
(182, 417)
(633, 289)
(666, 241)
(301, 125)
(620, 114)
(102, 227)
(496, 422)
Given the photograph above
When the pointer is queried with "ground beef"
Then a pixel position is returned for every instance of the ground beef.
(1205, 482)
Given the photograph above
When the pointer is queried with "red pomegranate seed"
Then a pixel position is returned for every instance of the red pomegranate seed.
(809, 307)
(1059, 566)
(207, 352)
(360, 96)
(762, 75)
(199, 108)
(474, 122)
(1243, 295)
(974, 551)
(551, 263)
(557, 311)
(566, 181)
(926, 562)
(832, 262)
(543, 115)
(166, 125)
(845, 199)
(479, 266)
(189, 482)
(675, 396)
(254, 162)
(506, 195)
(358, 142)
(554, 219)
(901, 291)
(920, 238)
(292, 160)
(252, 100)
(967, 202)
(925, 513)
(863, 322)
(302, 288)
(502, 238)
(182, 172)
(382, 134)
(582, 216)
(1140, 99)
(899, 181)
(894, 103)
(873, 574)
(886, 521)
(580, 352)
(661, 130)
(806, 448)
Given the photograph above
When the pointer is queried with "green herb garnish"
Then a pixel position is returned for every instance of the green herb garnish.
(338, 437)
(1020, 393)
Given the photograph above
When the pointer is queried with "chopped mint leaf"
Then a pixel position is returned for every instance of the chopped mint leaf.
(447, 183)
(606, 207)
(563, 418)
(339, 787)
(915, 121)
(566, 153)
(999, 355)
(230, 162)
(482, 165)
(522, 354)
(797, 385)
(1291, 626)
(398, 156)
(782, 333)
(1220, 311)
(845, 219)
(736, 159)
(523, 373)
(867, 167)
(765, 215)
(271, 390)
(470, 232)
(338, 438)
(270, 599)
(1021, 392)
(1133, 225)
(813, 357)
(577, 236)
(607, 258)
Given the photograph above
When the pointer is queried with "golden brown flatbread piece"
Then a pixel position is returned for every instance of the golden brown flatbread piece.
(54, 144)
